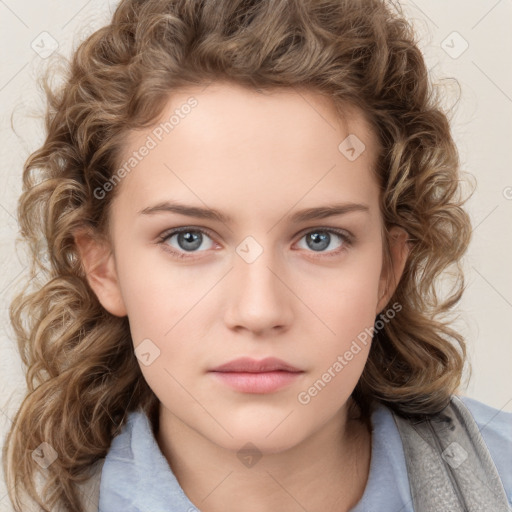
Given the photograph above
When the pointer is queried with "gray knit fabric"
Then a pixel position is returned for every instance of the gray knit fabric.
(449, 465)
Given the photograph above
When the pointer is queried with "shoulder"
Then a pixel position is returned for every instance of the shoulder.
(90, 489)
(495, 425)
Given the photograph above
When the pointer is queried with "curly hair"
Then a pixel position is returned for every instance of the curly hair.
(82, 375)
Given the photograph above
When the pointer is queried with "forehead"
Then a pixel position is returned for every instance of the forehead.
(231, 146)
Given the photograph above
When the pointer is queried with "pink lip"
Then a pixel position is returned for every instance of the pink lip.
(252, 376)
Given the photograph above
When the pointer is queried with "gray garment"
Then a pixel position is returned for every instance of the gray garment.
(447, 454)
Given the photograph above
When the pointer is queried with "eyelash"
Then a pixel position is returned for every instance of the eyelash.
(346, 238)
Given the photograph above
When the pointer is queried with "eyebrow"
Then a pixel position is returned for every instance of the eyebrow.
(320, 212)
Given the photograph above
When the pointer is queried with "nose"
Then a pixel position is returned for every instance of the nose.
(259, 299)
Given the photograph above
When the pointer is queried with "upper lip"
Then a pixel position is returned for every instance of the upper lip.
(246, 364)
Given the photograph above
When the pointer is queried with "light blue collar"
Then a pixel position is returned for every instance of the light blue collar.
(136, 476)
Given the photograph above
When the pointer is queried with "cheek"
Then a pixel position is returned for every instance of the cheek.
(345, 298)
(157, 293)
(167, 310)
(346, 307)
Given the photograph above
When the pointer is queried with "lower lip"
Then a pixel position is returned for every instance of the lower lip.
(264, 382)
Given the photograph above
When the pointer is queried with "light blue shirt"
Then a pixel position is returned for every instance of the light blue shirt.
(136, 476)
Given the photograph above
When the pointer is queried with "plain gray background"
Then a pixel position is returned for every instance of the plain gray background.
(468, 40)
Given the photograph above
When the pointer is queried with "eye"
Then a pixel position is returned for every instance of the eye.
(187, 240)
(320, 239)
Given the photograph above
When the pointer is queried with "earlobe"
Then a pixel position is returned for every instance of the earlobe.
(99, 266)
(392, 271)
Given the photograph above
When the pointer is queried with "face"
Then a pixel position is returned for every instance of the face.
(256, 280)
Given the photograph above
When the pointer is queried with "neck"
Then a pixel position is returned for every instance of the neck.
(327, 470)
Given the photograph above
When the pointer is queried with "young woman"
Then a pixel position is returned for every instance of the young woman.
(246, 208)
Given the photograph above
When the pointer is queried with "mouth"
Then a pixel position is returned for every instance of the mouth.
(251, 376)
(249, 365)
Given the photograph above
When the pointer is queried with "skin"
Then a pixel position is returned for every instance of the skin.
(258, 157)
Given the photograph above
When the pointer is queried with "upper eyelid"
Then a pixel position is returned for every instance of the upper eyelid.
(173, 231)
(337, 231)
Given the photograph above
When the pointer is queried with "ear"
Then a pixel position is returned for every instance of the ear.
(393, 266)
(98, 263)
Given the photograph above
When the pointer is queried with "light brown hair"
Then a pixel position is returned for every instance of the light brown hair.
(83, 377)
